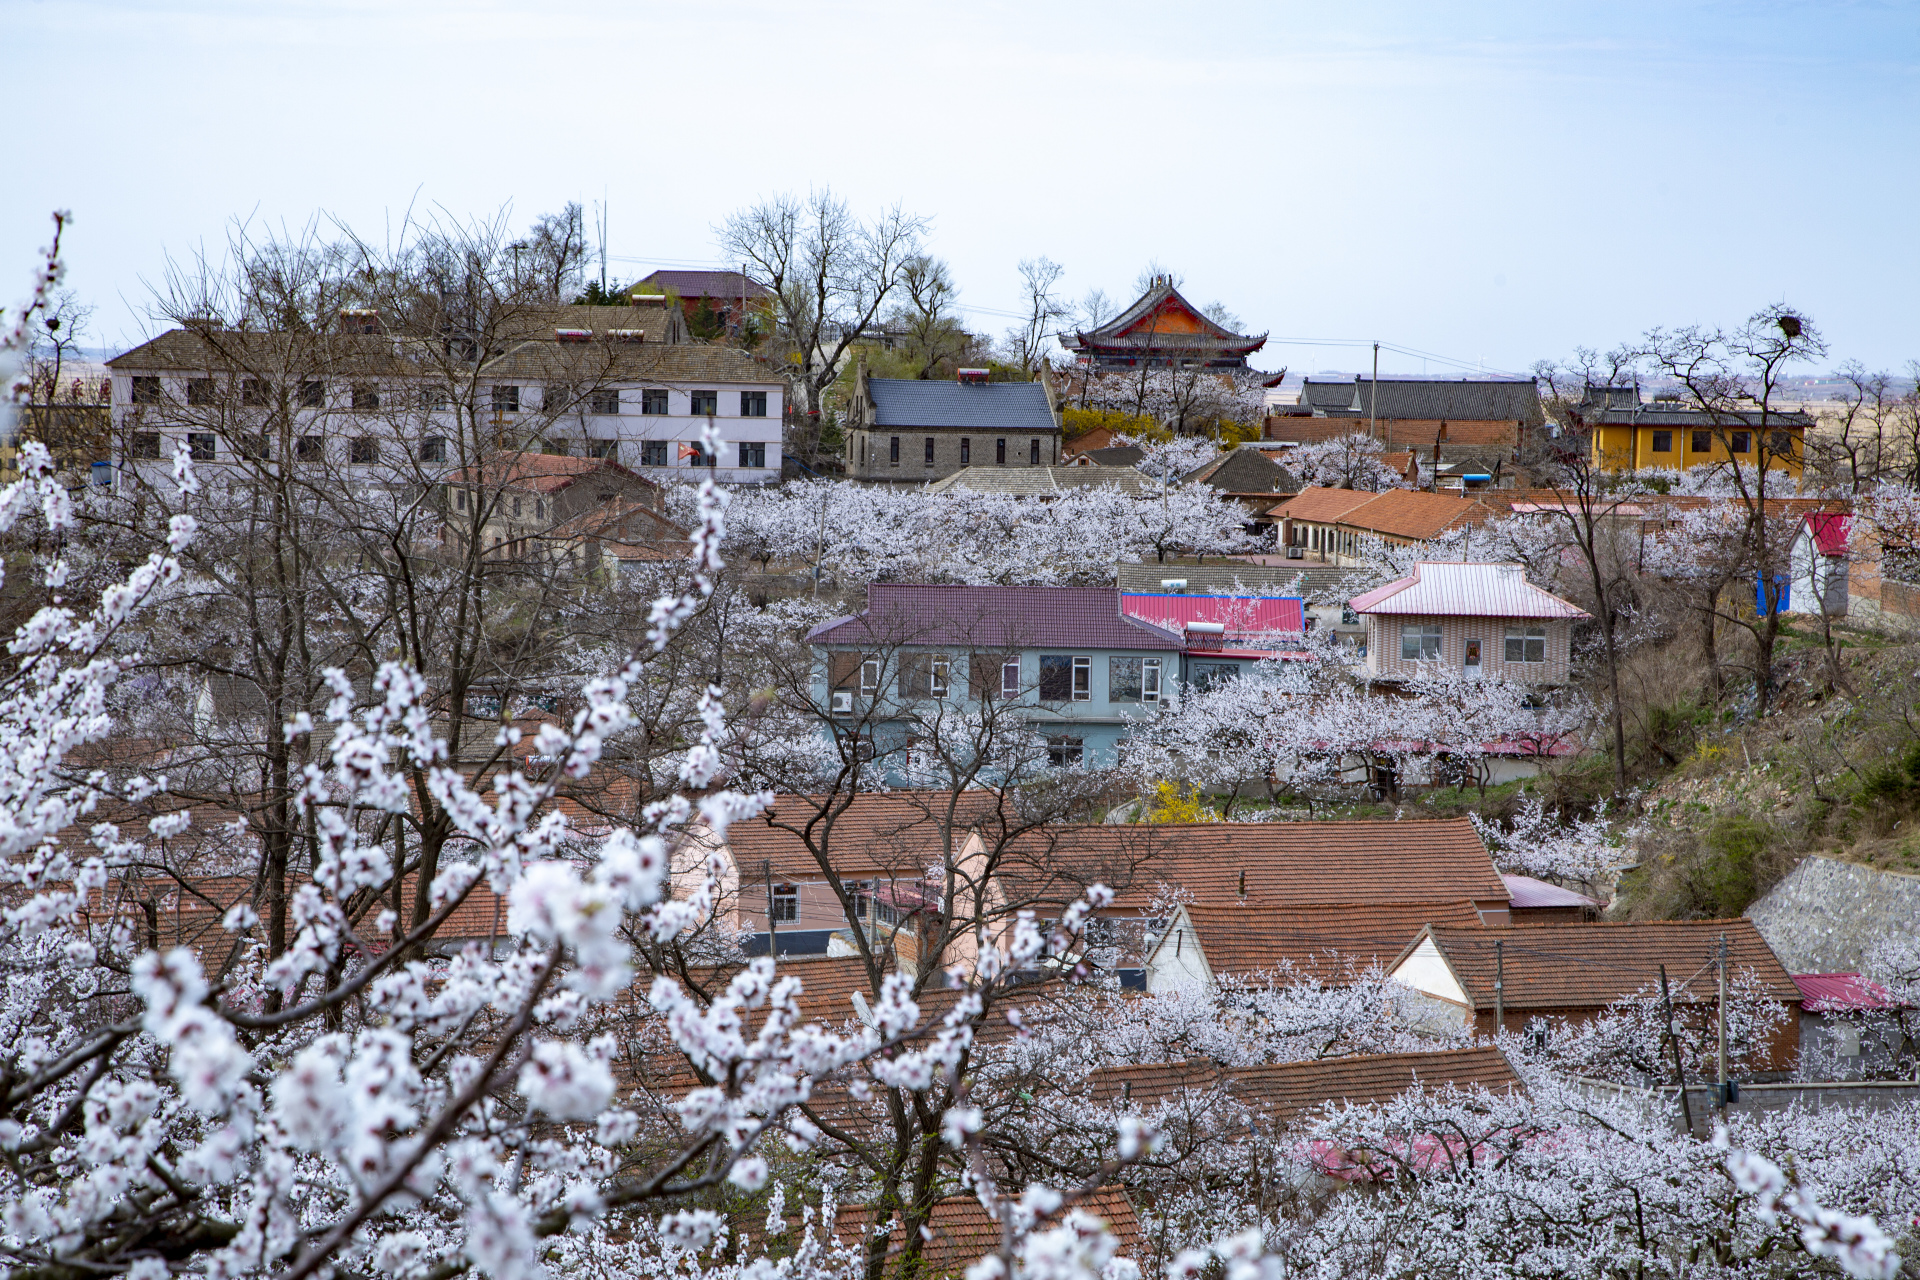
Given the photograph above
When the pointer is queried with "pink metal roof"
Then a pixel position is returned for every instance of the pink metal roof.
(1240, 615)
(1830, 530)
(1840, 993)
(1528, 892)
(1443, 589)
(993, 618)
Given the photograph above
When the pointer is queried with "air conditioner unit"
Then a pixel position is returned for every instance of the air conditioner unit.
(843, 702)
(1296, 553)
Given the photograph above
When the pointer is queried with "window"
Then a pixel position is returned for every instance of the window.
(893, 450)
(1033, 453)
(753, 454)
(539, 508)
(1742, 441)
(146, 444)
(1420, 641)
(483, 706)
(786, 903)
(1010, 678)
(1663, 442)
(506, 399)
(1123, 679)
(929, 450)
(939, 677)
(1083, 679)
(433, 449)
(251, 445)
(1526, 644)
(653, 453)
(604, 402)
(1702, 442)
(433, 399)
(1064, 752)
(362, 450)
(753, 404)
(516, 507)
(309, 449)
(608, 449)
(255, 393)
(1000, 452)
(313, 394)
(1348, 618)
(870, 675)
(200, 445)
(1056, 677)
(1780, 442)
(703, 404)
(654, 401)
(366, 395)
(861, 891)
(200, 392)
(146, 390)
(1150, 680)
(696, 454)
(915, 678)
(1205, 675)
(966, 451)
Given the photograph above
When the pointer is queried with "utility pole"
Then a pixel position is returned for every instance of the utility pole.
(766, 870)
(1720, 963)
(1373, 397)
(1679, 1069)
(1499, 987)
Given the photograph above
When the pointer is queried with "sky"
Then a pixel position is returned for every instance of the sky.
(1487, 183)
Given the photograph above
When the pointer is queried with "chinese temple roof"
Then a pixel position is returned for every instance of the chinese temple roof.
(1162, 326)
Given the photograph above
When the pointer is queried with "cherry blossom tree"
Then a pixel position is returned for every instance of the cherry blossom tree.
(1350, 461)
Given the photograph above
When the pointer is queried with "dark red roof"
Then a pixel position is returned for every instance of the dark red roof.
(994, 618)
(1830, 531)
(709, 284)
(1242, 616)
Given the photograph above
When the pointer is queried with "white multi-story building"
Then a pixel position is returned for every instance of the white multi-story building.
(603, 382)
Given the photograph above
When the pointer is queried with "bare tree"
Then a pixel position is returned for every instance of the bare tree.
(831, 275)
(1853, 452)
(1733, 379)
(1028, 341)
(935, 337)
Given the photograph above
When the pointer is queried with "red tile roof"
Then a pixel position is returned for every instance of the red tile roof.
(994, 618)
(1280, 1093)
(1582, 966)
(1408, 513)
(1272, 863)
(895, 833)
(1320, 940)
(1323, 505)
(963, 1233)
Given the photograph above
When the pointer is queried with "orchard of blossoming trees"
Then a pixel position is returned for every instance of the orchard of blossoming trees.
(372, 909)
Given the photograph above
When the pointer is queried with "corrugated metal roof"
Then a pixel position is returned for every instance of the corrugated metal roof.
(994, 618)
(1443, 589)
(992, 406)
(1841, 993)
(1528, 892)
(1242, 615)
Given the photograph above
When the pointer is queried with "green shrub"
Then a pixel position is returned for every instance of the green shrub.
(1726, 876)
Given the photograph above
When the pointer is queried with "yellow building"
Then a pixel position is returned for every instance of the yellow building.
(1630, 435)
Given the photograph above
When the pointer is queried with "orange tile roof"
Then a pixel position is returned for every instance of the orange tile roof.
(963, 1233)
(896, 834)
(1276, 863)
(1325, 505)
(1580, 965)
(1408, 513)
(1321, 940)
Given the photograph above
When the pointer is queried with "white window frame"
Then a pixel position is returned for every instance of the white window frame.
(1420, 633)
(869, 675)
(1524, 637)
(1150, 680)
(1082, 689)
(785, 906)
(940, 677)
(1010, 678)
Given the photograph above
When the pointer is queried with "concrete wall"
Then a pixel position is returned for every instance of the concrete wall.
(870, 451)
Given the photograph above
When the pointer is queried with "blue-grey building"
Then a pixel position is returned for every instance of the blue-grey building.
(1079, 662)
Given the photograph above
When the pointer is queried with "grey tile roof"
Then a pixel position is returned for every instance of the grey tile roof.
(994, 618)
(1246, 470)
(994, 406)
(708, 284)
(1664, 415)
(1455, 399)
(639, 362)
(1024, 480)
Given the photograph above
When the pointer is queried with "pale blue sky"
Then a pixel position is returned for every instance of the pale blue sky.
(1493, 182)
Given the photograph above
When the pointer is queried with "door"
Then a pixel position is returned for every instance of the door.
(1471, 663)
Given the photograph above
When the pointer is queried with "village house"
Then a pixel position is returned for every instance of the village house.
(1334, 943)
(1537, 976)
(911, 430)
(1818, 563)
(716, 301)
(1630, 434)
(619, 383)
(1337, 526)
(1317, 587)
(560, 510)
(1477, 421)
(1477, 619)
(1082, 663)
